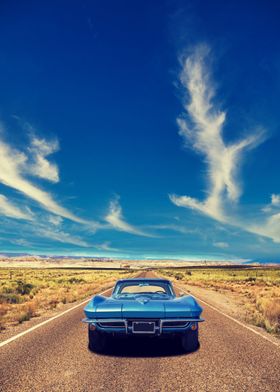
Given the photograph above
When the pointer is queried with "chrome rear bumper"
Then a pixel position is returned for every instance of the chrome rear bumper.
(125, 325)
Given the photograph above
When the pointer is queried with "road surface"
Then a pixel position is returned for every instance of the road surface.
(55, 357)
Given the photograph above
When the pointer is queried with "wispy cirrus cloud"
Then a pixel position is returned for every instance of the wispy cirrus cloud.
(116, 220)
(40, 149)
(20, 168)
(21, 242)
(61, 236)
(268, 227)
(275, 200)
(55, 220)
(273, 205)
(221, 245)
(106, 246)
(17, 166)
(10, 210)
(201, 126)
(42, 231)
(173, 227)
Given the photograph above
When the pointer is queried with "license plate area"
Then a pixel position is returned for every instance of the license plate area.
(143, 327)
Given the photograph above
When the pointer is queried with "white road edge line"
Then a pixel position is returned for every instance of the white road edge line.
(232, 319)
(2, 344)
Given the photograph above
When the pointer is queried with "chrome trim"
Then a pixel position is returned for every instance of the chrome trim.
(101, 324)
(188, 321)
(186, 324)
(97, 321)
(125, 321)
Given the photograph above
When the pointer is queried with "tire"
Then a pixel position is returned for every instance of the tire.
(96, 341)
(190, 341)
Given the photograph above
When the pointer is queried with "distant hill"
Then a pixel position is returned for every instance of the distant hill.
(24, 260)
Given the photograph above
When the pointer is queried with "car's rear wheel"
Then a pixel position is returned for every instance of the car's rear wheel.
(96, 340)
(190, 340)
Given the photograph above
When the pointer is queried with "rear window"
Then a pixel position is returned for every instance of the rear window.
(143, 288)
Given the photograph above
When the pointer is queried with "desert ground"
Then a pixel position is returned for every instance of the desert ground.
(249, 294)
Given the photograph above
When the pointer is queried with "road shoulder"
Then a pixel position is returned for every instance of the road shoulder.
(228, 304)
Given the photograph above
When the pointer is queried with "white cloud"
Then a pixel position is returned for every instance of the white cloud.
(275, 200)
(55, 220)
(203, 131)
(17, 168)
(201, 127)
(270, 227)
(39, 231)
(172, 227)
(106, 246)
(10, 210)
(61, 236)
(21, 242)
(275, 203)
(116, 220)
(221, 245)
(40, 149)
(14, 167)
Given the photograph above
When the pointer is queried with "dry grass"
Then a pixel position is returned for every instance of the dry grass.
(259, 287)
(27, 293)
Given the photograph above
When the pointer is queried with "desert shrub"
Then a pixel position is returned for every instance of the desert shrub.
(270, 308)
(179, 276)
(251, 279)
(10, 298)
(7, 290)
(76, 280)
(25, 312)
(23, 316)
(23, 288)
(3, 311)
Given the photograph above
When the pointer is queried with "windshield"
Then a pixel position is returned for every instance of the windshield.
(133, 288)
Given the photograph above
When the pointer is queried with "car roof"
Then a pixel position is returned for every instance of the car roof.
(144, 279)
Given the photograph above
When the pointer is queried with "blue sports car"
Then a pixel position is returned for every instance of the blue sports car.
(143, 306)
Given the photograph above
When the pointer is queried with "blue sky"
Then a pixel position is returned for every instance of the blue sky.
(140, 129)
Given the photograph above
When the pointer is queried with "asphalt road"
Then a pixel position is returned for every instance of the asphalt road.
(55, 357)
